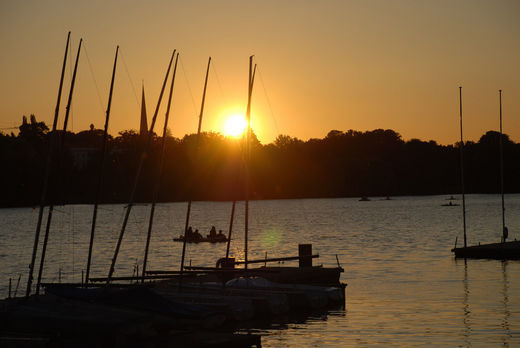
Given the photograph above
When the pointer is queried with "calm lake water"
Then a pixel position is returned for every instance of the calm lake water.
(404, 286)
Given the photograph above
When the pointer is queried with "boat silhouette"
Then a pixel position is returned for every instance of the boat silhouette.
(504, 250)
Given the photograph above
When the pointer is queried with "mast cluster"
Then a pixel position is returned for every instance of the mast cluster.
(56, 148)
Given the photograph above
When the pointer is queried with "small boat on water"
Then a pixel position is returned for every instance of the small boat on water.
(501, 251)
(364, 199)
(199, 239)
(450, 204)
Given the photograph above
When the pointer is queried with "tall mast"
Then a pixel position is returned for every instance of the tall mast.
(69, 100)
(47, 173)
(101, 170)
(161, 166)
(502, 165)
(248, 154)
(138, 175)
(462, 169)
(230, 226)
(196, 152)
(58, 164)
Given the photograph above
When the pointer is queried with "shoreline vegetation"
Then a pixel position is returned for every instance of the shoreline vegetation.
(342, 164)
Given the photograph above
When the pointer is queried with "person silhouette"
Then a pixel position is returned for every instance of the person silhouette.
(505, 234)
(197, 237)
(189, 233)
(212, 232)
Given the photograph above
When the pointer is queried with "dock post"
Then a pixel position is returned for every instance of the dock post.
(17, 284)
(344, 291)
(305, 253)
(9, 296)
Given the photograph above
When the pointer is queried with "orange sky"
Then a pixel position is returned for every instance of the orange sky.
(322, 64)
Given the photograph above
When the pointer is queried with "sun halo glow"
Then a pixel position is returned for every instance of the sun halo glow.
(235, 125)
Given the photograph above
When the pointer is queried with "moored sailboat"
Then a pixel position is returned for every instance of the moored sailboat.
(501, 251)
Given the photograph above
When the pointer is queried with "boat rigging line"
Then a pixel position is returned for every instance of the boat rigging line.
(59, 152)
(100, 100)
(101, 170)
(189, 87)
(223, 95)
(46, 176)
(129, 77)
(268, 101)
(138, 174)
(161, 171)
(196, 156)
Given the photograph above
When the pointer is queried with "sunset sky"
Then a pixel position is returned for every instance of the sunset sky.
(323, 65)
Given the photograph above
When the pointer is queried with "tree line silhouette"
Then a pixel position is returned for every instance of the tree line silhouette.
(343, 164)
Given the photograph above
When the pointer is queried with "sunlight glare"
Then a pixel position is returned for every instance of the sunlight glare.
(235, 125)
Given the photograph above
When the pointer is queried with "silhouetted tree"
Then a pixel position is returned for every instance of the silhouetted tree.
(343, 163)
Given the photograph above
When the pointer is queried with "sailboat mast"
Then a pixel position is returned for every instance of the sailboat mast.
(69, 100)
(502, 164)
(138, 175)
(231, 226)
(248, 154)
(47, 173)
(462, 170)
(101, 170)
(161, 166)
(246, 172)
(188, 212)
(58, 165)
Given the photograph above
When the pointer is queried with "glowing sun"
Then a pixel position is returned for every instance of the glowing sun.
(235, 125)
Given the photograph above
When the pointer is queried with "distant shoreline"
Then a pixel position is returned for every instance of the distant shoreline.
(376, 163)
(374, 198)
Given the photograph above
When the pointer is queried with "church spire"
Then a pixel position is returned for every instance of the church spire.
(143, 129)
